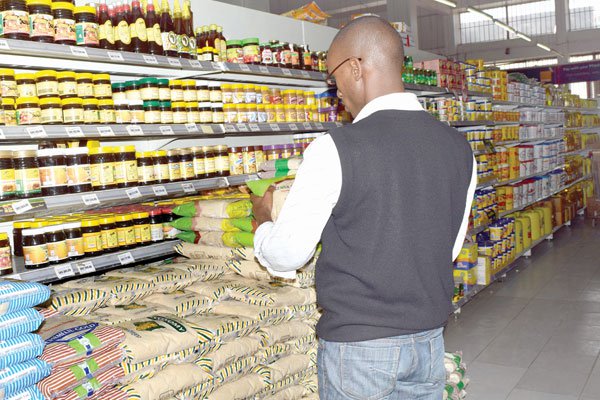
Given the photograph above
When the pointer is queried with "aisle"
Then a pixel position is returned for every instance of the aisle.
(536, 336)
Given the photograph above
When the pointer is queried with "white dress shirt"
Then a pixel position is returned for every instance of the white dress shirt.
(289, 243)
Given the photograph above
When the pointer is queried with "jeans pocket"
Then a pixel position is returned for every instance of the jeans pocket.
(438, 371)
(369, 372)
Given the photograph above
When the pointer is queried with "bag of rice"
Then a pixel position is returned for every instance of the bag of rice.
(165, 279)
(48, 312)
(17, 377)
(70, 341)
(284, 367)
(259, 314)
(218, 239)
(247, 224)
(273, 295)
(284, 332)
(237, 369)
(274, 352)
(249, 269)
(229, 352)
(203, 252)
(15, 296)
(180, 303)
(285, 164)
(20, 348)
(120, 290)
(217, 290)
(77, 301)
(19, 322)
(242, 388)
(116, 315)
(94, 388)
(215, 209)
(282, 189)
(289, 393)
(202, 270)
(31, 393)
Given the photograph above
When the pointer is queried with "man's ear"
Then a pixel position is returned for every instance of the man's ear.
(355, 69)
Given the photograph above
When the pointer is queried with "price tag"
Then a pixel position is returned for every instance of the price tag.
(188, 187)
(79, 51)
(133, 193)
(174, 62)
(191, 127)
(115, 56)
(244, 68)
(90, 199)
(36, 132)
(21, 206)
(207, 129)
(286, 71)
(195, 64)
(275, 127)
(64, 271)
(160, 190)
(305, 74)
(16, 277)
(74, 131)
(242, 127)
(320, 125)
(2, 136)
(230, 128)
(307, 125)
(150, 59)
(294, 127)
(135, 130)
(166, 130)
(4, 45)
(86, 267)
(105, 131)
(126, 258)
(263, 69)
(216, 65)
(254, 128)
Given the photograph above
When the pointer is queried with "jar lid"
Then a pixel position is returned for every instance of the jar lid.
(119, 85)
(175, 82)
(249, 86)
(204, 104)
(89, 223)
(250, 41)
(134, 103)
(160, 153)
(148, 81)
(38, 224)
(173, 152)
(39, 2)
(237, 86)
(7, 72)
(145, 154)
(234, 43)
(54, 228)
(152, 103)
(27, 100)
(188, 82)
(32, 232)
(63, 5)
(100, 77)
(76, 151)
(162, 82)
(72, 225)
(6, 154)
(72, 101)
(124, 149)
(48, 73)
(309, 93)
(24, 153)
(207, 149)
(21, 224)
(201, 83)
(25, 77)
(265, 44)
(217, 105)
(66, 74)
(221, 147)
(90, 102)
(288, 91)
(50, 152)
(165, 104)
(260, 106)
(50, 100)
(100, 150)
(242, 106)
(107, 220)
(178, 104)
(269, 106)
(229, 106)
(268, 147)
(7, 101)
(185, 151)
(226, 86)
(82, 75)
(85, 10)
(264, 88)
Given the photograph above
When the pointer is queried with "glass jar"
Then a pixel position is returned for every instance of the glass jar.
(18, 227)
(252, 111)
(249, 94)
(126, 168)
(72, 111)
(166, 114)
(266, 54)
(218, 116)
(148, 88)
(300, 114)
(236, 161)
(125, 231)
(260, 156)
(51, 111)
(141, 226)
(202, 91)
(265, 94)
(108, 233)
(6, 266)
(289, 96)
(46, 83)
(193, 113)
(85, 85)
(56, 242)
(132, 91)
(164, 92)
(161, 166)
(205, 111)
(79, 175)
(235, 52)
(8, 188)
(216, 95)
(230, 113)
(186, 165)
(8, 84)
(91, 114)
(15, 20)
(102, 88)
(251, 51)
(122, 113)
(287, 151)
(280, 113)
(242, 114)
(63, 23)
(174, 162)
(239, 94)
(9, 113)
(119, 92)
(152, 112)
(26, 85)
(92, 237)
(249, 160)
(221, 160)
(270, 111)
(300, 97)
(74, 240)
(35, 250)
(27, 174)
(275, 96)
(145, 168)
(198, 156)
(270, 153)
(227, 93)
(190, 93)
(156, 226)
(179, 112)
(102, 168)
(86, 26)
(261, 113)
(176, 90)
(28, 111)
(209, 162)
(136, 109)
(52, 171)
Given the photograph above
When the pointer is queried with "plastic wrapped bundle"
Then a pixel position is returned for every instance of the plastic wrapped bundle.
(16, 296)
(456, 381)
(204, 252)
(215, 209)
(77, 301)
(218, 239)
(19, 323)
(20, 348)
(18, 377)
(97, 387)
(31, 393)
(247, 224)
(180, 303)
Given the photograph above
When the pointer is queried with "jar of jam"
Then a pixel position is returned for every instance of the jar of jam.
(106, 111)
(203, 91)
(199, 169)
(18, 227)
(132, 91)
(275, 96)
(242, 113)
(152, 112)
(85, 85)
(166, 113)
(235, 52)
(270, 111)
(227, 93)
(67, 85)
(251, 51)
(145, 168)
(72, 111)
(176, 90)
(161, 166)
(122, 113)
(156, 226)
(289, 97)
(108, 233)
(141, 225)
(218, 116)
(277, 49)
(215, 93)
(126, 166)
(179, 112)
(102, 88)
(193, 113)
(102, 167)
(265, 94)
(281, 114)
(170, 233)
(164, 92)
(174, 160)
(86, 26)
(287, 151)
(79, 175)
(209, 162)
(35, 250)
(63, 23)
(74, 239)
(286, 55)
(125, 231)
(266, 54)
(8, 188)
(259, 155)
(119, 92)
(239, 94)
(236, 161)
(189, 90)
(136, 109)
(8, 84)
(229, 113)
(15, 20)
(51, 111)
(261, 113)
(6, 267)
(26, 85)
(249, 94)
(56, 243)
(53, 171)
(92, 237)
(252, 112)
(249, 160)
(149, 89)
(91, 115)
(221, 160)
(28, 111)
(270, 153)
(205, 111)
(186, 164)
(300, 113)
(47, 83)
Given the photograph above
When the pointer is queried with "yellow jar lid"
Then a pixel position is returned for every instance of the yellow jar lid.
(66, 74)
(38, 224)
(237, 86)
(175, 82)
(21, 224)
(178, 104)
(7, 72)
(83, 75)
(85, 9)
(48, 73)
(25, 100)
(7, 101)
(105, 220)
(269, 106)
(249, 86)
(106, 102)
(188, 82)
(145, 154)
(73, 101)
(3, 236)
(50, 100)
(93, 143)
(90, 222)
(191, 104)
(90, 102)
(289, 106)
(228, 107)
(63, 6)
(100, 150)
(160, 153)
(122, 217)
(264, 88)
(140, 215)
(124, 149)
(260, 106)
(47, 3)
(226, 86)
(23, 77)
(101, 77)
(309, 94)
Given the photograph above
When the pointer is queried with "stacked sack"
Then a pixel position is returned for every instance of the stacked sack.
(279, 168)
(20, 370)
(456, 380)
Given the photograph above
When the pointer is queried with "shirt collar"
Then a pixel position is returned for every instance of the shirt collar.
(394, 101)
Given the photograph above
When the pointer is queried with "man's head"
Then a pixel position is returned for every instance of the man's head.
(366, 58)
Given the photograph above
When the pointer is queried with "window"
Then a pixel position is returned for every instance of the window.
(475, 28)
(530, 64)
(579, 88)
(584, 14)
(537, 18)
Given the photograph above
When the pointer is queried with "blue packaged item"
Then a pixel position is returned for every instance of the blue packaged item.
(15, 296)
(19, 322)
(18, 377)
(20, 348)
(31, 393)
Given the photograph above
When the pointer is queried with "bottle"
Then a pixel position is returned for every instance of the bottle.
(200, 42)
(155, 44)
(212, 41)
(223, 45)
(169, 38)
(105, 28)
(183, 43)
(218, 36)
(137, 28)
(189, 51)
(122, 33)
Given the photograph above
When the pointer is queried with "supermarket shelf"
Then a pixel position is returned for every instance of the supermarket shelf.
(428, 91)
(583, 110)
(477, 230)
(542, 139)
(470, 123)
(582, 152)
(154, 130)
(502, 123)
(93, 264)
(522, 178)
(472, 93)
(595, 129)
(488, 183)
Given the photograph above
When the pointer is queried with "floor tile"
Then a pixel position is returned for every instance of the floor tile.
(489, 381)
(592, 387)
(519, 394)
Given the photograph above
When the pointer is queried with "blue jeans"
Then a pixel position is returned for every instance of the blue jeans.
(408, 367)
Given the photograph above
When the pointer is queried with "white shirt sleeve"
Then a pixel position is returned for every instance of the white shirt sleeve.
(462, 233)
(290, 242)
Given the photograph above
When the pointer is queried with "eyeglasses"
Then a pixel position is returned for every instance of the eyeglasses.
(330, 79)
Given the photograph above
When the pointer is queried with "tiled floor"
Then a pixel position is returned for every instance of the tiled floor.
(536, 336)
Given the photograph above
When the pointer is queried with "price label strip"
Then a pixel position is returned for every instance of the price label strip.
(294, 127)
(242, 128)
(192, 127)
(305, 74)
(166, 130)
(320, 125)
(86, 267)
(22, 206)
(230, 128)
(150, 59)
(2, 135)
(194, 63)
(105, 131)
(307, 125)
(135, 130)
(160, 190)
(78, 51)
(275, 127)
(90, 199)
(126, 258)
(4, 45)
(263, 69)
(174, 62)
(188, 187)
(36, 132)
(133, 193)
(64, 271)
(207, 129)
(254, 128)
(244, 67)
(115, 56)
(74, 131)
(286, 71)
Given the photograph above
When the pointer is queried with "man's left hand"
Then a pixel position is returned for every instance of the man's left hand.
(262, 206)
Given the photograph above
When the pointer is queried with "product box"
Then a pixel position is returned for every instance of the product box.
(484, 271)
(468, 253)
(467, 277)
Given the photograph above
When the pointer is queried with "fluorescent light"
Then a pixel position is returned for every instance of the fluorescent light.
(541, 46)
(479, 12)
(504, 26)
(447, 2)
(524, 37)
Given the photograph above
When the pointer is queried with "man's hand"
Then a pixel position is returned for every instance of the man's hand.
(262, 206)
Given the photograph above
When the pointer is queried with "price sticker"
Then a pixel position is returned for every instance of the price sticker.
(86, 267)
(64, 271)
(115, 56)
(150, 59)
(230, 128)
(244, 67)
(2, 135)
(242, 128)
(160, 190)
(105, 131)
(78, 51)
(135, 130)
(307, 125)
(22, 206)
(216, 65)
(15, 277)
(166, 130)
(254, 128)
(90, 199)
(286, 71)
(74, 131)
(195, 63)
(174, 62)
(188, 187)
(133, 193)
(4, 45)
(320, 125)
(126, 258)
(263, 69)
(207, 129)
(305, 74)
(294, 127)
(36, 132)
(275, 127)
(192, 127)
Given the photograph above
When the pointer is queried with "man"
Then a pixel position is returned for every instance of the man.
(389, 198)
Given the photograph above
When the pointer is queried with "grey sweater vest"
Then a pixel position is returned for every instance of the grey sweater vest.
(386, 268)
